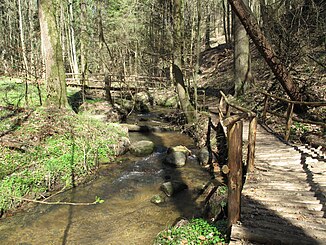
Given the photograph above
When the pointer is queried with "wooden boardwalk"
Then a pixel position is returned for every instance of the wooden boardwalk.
(284, 199)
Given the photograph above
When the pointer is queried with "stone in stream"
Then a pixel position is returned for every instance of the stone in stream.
(122, 146)
(158, 199)
(142, 148)
(177, 156)
(142, 102)
(173, 187)
(203, 156)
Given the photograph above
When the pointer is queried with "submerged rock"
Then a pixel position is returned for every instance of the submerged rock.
(142, 148)
(173, 187)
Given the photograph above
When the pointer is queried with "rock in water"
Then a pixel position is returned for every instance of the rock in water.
(203, 156)
(177, 156)
(142, 148)
(173, 187)
(158, 199)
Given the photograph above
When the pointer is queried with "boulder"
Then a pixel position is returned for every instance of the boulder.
(177, 156)
(142, 148)
(101, 110)
(173, 187)
(203, 156)
(142, 102)
(122, 146)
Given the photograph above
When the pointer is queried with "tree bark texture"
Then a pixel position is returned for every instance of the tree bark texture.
(242, 69)
(52, 52)
(265, 48)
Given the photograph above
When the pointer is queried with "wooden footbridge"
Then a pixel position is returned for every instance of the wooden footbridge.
(283, 198)
(279, 195)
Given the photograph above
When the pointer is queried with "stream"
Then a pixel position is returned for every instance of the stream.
(127, 215)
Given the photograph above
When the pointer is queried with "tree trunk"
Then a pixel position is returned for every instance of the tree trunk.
(265, 48)
(22, 38)
(177, 62)
(52, 52)
(208, 28)
(73, 51)
(242, 69)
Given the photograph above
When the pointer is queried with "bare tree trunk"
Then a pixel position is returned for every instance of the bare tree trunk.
(72, 40)
(83, 42)
(52, 51)
(22, 38)
(242, 69)
(265, 48)
(208, 28)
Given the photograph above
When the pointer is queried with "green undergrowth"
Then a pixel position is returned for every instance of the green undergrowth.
(44, 150)
(15, 92)
(197, 231)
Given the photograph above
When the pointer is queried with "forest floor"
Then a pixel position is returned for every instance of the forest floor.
(46, 150)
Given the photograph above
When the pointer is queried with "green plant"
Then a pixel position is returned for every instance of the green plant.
(60, 149)
(299, 128)
(222, 190)
(12, 92)
(197, 231)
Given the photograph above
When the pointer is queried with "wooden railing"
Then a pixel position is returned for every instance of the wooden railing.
(289, 117)
(231, 118)
(234, 131)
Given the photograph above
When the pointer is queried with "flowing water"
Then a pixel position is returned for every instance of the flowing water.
(127, 216)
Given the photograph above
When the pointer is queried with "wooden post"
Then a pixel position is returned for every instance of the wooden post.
(235, 174)
(265, 107)
(289, 115)
(251, 144)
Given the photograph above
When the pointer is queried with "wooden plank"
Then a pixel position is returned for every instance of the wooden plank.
(235, 174)
(240, 108)
(232, 119)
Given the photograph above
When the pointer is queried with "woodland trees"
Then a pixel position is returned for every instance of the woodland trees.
(130, 37)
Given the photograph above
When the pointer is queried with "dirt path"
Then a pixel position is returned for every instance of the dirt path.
(284, 199)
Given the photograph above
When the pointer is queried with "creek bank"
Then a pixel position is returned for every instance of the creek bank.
(210, 201)
(61, 150)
